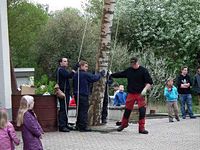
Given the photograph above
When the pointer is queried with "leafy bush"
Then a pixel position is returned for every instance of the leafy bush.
(44, 86)
(157, 67)
(159, 71)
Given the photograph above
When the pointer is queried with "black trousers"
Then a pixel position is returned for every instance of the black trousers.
(62, 115)
(104, 112)
(83, 106)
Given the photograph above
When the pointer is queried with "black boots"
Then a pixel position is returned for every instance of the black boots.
(120, 128)
(85, 130)
(143, 132)
(64, 129)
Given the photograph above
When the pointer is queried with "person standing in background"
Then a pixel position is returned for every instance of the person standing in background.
(120, 97)
(184, 83)
(171, 94)
(197, 83)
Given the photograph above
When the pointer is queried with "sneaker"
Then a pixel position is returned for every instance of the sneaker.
(183, 117)
(143, 132)
(178, 119)
(64, 129)
(192, 117)
(171, 121)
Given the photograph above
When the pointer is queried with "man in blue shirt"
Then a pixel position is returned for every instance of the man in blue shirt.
(82, 94)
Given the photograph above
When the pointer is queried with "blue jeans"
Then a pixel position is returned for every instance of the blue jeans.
(186, 99)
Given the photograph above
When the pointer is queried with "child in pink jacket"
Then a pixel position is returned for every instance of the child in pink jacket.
(8, 135)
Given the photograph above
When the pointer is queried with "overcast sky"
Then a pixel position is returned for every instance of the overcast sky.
(60, 4)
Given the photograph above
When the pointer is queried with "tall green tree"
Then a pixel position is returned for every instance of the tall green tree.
(62, 37)
(95, 8)
(168, 27)
(25, 21)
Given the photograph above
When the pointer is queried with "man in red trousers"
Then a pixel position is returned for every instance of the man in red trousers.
(139, 81)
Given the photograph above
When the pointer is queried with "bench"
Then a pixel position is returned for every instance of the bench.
(116, 113)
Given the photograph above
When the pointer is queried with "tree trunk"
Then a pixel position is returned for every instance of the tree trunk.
(96, 99)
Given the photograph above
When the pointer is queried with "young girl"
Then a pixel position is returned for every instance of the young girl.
(171, 94)
(7, 132)
(31, 131)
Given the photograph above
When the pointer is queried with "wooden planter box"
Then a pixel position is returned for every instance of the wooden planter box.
(45, 108)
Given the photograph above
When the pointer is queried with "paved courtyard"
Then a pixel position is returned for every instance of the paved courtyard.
(183, 135)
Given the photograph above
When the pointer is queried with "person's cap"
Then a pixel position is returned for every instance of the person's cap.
(134, 60)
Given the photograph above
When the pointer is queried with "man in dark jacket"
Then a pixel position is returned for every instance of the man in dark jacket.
(62, 78)
(139, 81)
(82, 80)
(197, 83)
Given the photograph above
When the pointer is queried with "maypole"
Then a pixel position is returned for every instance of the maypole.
(102, 62)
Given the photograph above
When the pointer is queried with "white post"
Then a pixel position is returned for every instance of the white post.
(5, 78)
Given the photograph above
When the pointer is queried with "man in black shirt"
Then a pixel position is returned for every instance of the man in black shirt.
(139, 81)
(184, 83)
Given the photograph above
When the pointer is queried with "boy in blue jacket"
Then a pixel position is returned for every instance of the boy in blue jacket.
(82, 94)
(120, 97)
(171, 94)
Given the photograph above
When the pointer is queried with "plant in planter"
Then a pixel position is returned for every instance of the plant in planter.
(44, 86)
(45, 105)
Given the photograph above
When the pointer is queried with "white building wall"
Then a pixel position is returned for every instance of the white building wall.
(5, 78)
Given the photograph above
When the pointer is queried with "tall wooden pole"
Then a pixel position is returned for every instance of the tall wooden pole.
(102, 62)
